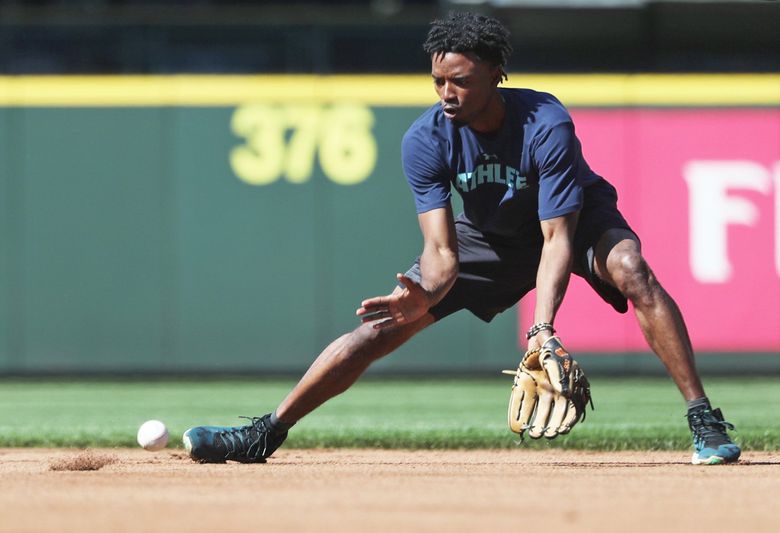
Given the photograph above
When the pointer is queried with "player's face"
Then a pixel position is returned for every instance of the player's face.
(466, 86)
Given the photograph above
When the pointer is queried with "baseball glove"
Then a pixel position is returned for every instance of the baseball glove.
(549, 393)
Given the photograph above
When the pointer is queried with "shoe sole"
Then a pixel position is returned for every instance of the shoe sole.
(712, 460)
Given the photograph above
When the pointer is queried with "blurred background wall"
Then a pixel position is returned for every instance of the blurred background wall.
(224, 187)
(378, 36)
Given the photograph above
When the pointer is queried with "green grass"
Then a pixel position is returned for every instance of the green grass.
(442, 413)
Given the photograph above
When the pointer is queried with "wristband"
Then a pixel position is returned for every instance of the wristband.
(536, 328)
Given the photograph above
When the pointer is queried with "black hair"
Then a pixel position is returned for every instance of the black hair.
(464, 32)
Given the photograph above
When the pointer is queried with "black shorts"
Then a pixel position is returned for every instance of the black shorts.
(495, 272)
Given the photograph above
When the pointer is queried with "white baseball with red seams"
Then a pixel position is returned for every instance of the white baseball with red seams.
(153, 435)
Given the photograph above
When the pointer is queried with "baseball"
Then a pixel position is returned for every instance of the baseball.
(153, 435)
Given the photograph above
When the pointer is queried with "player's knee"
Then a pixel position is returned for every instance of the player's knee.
(633, 277)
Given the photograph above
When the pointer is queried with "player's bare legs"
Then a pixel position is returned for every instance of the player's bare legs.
(619, 261)
(341, 364)
(333, 372)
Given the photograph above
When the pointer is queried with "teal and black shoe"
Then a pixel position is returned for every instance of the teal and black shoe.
(711, 443)
(252, 443)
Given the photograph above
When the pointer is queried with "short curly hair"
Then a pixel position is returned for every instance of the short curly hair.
(465, 32)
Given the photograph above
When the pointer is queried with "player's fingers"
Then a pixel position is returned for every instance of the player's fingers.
(375, 306)
(368, 310)
(375, 301)
(375, 315)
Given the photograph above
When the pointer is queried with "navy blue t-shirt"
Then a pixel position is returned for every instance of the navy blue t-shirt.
(531, 169)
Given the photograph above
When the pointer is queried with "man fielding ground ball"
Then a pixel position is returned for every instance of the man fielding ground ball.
(534, 212)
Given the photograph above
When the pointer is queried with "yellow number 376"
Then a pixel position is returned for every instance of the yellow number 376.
(283, 140)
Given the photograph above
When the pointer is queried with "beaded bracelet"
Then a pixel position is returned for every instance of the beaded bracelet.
(536, 328)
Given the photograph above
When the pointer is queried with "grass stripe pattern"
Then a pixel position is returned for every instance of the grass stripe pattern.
(631, 414)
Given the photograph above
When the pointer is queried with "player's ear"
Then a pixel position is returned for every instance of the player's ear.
(497, 76)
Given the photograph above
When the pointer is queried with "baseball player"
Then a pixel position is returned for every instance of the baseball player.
(534, 213)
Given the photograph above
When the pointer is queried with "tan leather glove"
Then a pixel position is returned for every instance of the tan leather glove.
(549, 393)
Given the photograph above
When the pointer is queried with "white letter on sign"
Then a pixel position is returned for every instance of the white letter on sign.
(712, 210)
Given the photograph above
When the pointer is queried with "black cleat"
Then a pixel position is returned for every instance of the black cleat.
(712, 446)
(246, 444)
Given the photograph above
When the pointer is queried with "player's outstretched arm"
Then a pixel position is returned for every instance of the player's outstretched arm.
(439, 269)
(550, 391)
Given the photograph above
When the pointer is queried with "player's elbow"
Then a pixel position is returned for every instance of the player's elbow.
(439, 265)
(444, 255)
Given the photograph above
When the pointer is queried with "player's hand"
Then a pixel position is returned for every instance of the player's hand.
(405, 305)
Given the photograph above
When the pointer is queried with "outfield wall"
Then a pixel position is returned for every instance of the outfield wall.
(222, 223)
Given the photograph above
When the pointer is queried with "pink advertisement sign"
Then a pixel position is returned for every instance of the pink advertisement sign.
(701, 187)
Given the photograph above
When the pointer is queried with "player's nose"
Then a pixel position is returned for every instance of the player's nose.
(448, 93)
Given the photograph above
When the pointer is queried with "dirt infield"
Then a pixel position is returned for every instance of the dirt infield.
(376, 490)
